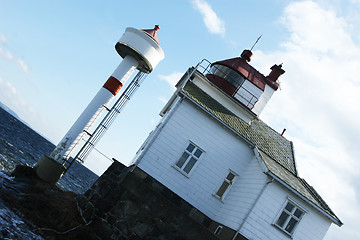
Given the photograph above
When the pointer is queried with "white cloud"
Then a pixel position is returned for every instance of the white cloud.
(212, 22)
(6, 54)
(317, 29)
(9, 96)
(163, 100)
(9, 56)
(172, 78)
(22, 65)
(2, 38)
(318, 104)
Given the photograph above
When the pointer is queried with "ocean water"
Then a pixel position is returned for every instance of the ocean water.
(20, 145)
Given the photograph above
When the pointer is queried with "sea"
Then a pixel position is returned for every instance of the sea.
(21, 145)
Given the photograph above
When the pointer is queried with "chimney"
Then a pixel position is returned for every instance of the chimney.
(275, 73)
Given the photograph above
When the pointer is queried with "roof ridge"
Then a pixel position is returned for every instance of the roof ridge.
(316, 195)
(318, 198)
(262, 152)
(291, 144)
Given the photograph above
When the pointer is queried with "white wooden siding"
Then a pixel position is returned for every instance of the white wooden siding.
(259, 225)
(223, 151)
(263, 100)
(242, 195)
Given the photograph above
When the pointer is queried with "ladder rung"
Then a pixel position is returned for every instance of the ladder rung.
(88, 133)
(108, 109)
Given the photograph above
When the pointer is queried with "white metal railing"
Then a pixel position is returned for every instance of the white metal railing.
(246, 97)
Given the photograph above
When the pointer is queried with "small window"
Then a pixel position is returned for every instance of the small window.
(289, 218)
(226, 185)
(189, 158)
(218, 230)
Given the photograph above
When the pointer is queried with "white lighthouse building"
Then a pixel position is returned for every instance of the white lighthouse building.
(236, 173)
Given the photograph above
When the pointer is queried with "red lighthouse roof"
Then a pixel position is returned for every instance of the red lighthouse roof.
(241, 65)
(153, 33)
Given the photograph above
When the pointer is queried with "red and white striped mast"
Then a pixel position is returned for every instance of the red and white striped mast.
(140, 50)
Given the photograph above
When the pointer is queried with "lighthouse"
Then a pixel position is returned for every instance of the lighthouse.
(213, 169)
(140, 50)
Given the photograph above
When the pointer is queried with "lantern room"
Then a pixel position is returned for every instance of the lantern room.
(236, 78)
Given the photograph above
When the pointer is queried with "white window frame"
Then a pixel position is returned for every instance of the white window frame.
(290, 217)
(230, 184)
(218, 230)
(192, 155)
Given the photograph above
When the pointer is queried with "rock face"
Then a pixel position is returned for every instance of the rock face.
(133, 206)
(47, 210)
(122, 204)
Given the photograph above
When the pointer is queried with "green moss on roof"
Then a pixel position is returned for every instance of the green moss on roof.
(257, 132)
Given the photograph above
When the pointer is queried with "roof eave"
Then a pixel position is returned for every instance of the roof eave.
(332, 218)
(179, 85)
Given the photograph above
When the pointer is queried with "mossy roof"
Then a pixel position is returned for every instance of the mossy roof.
(257, 132)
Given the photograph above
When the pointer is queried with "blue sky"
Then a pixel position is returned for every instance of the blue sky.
(55, 55)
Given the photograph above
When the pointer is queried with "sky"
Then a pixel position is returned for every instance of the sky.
(55, 55)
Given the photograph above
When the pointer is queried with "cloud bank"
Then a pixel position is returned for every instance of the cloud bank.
(318, 104)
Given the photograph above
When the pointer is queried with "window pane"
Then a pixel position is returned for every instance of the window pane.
(218, 230)
(289, 207)
(190, 165)
(190, 148)
(182, 160)
(228, 74)
(280, 222)
(197, 153)
(235, 78)
(290, 227)
(298, 213)
(224, 70)
(219, 70)
(222, 189)
(230, 177)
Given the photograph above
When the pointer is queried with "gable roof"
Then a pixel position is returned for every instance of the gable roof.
(275, 150)
(299, 185)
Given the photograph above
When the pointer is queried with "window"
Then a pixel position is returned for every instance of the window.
(189, 158)
(226, 185)
(218, 230)
(228, 74)
(289, 218)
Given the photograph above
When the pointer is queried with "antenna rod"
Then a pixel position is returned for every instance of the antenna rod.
(256, 42)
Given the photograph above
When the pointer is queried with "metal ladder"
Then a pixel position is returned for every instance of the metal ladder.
(107, 121)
